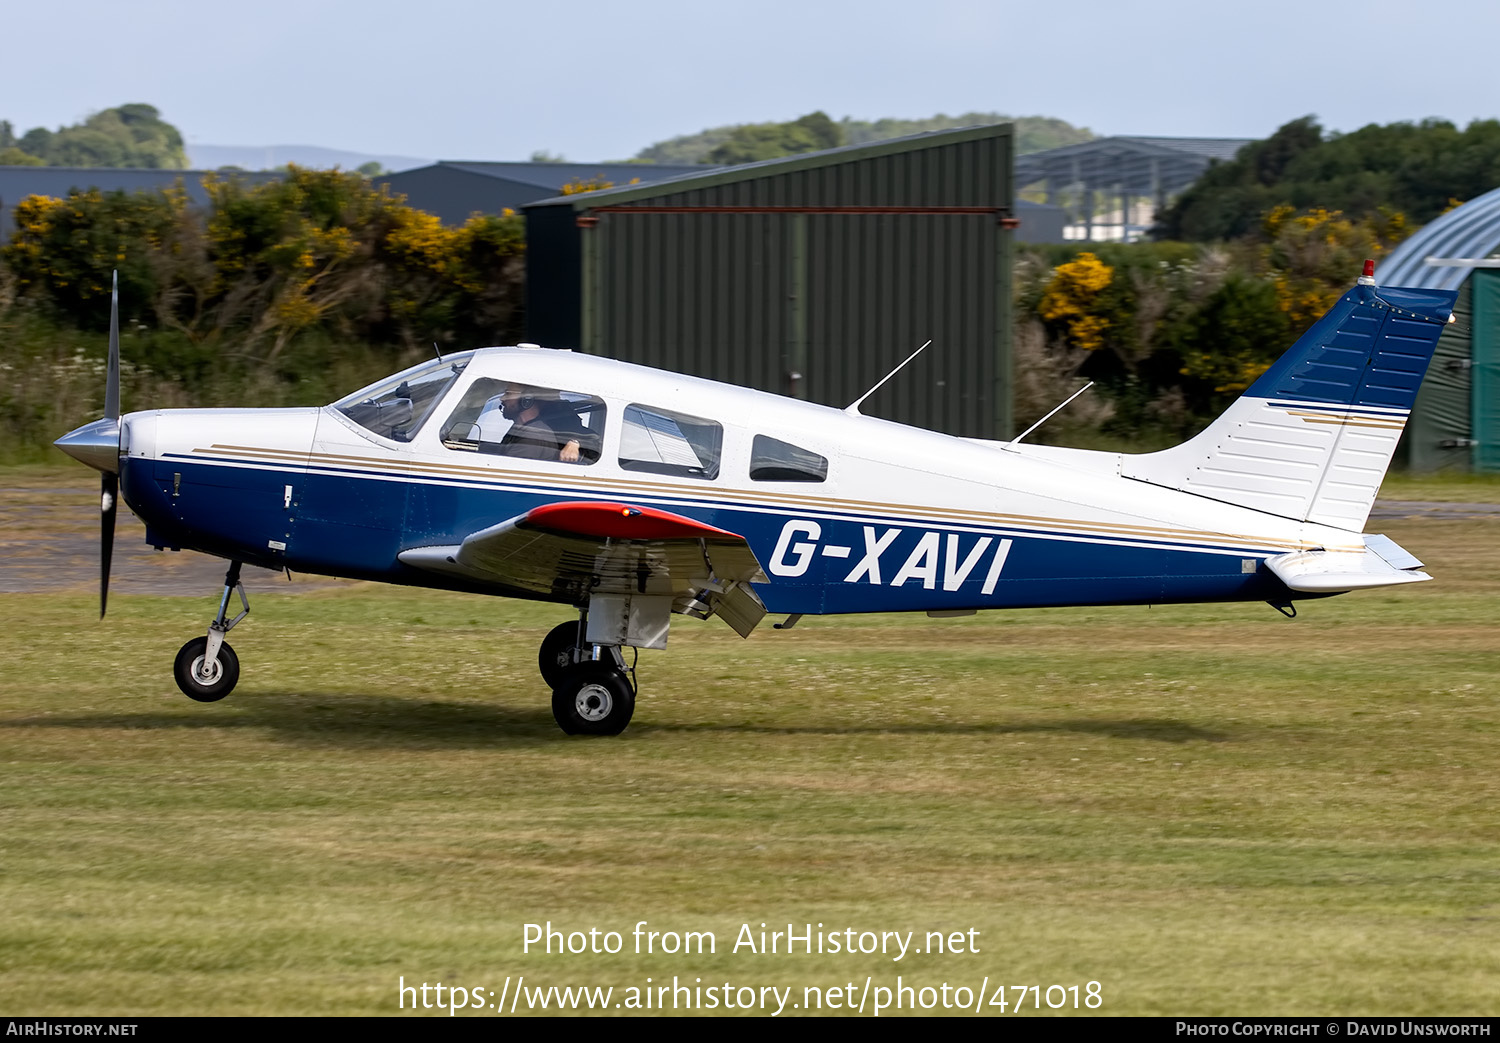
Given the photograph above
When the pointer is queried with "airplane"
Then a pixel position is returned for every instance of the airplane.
(631, 494)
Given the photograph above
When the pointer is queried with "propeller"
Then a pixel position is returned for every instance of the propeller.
(109, 481)
(98, 444)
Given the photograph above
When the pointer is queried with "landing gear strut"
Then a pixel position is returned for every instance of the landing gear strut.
(592, 691)
(207, 668)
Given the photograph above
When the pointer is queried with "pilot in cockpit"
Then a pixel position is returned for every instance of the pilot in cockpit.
(531, 435)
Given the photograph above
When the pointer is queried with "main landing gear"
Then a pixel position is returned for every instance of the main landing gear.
(593, 693)
(207, 668)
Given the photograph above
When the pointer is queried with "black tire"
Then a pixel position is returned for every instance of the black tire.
(593, 699)
(190, 655)
(556, 655)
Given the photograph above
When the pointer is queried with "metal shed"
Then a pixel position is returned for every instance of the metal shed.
(1455, 422)
(810, 276)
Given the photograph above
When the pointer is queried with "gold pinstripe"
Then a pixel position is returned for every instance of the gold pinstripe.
(1349, 420)
(748, 497)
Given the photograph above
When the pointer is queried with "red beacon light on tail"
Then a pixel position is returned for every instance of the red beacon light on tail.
(1367, 278)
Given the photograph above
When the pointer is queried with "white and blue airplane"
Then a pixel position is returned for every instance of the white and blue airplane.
(631, 494)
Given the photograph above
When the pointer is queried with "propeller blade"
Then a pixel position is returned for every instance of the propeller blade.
(112, 384)
(109, 485)
(109, 489)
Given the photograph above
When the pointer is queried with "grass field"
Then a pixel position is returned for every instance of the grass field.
(1207, 810)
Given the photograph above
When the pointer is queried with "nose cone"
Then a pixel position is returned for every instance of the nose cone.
(96, 444)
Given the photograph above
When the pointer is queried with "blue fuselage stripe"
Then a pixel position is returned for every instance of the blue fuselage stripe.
(352, 521)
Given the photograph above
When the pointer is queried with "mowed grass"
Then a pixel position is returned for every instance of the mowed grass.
(1208, 810)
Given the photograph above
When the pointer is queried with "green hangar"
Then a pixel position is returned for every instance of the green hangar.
(1455, 422)
(810, 276)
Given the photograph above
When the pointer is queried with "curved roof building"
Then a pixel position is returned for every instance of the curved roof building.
(1455, 422)
(1468, 232)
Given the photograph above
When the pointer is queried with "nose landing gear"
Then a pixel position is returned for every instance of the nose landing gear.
(206, 668)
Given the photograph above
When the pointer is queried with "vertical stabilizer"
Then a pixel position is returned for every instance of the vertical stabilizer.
(1312, 438)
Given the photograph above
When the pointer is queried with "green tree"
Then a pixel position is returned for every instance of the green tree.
(757, 141)
(1417, 169)
(319, 252)
(132, 135)
(686, 148)
(1230, 198)
(1235, 336)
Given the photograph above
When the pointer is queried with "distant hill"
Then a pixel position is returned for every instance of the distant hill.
(1033, 134)
(269, 157)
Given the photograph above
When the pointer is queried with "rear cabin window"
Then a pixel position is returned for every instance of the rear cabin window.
(504, 418)
(662, 441)
(772, 460)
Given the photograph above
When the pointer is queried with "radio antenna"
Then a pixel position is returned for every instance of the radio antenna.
(853, 408)
(1050, 415)
(436, 351)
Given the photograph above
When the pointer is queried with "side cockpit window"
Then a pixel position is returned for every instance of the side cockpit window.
(397, 408)
(772, 460)
(507, 418)
(663, 441)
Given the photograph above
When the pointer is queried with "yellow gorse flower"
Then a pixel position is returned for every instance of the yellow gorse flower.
(1072, 295)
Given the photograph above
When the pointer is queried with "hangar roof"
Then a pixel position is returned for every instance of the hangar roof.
(1468, 232)
(556, 175)
(711, 177)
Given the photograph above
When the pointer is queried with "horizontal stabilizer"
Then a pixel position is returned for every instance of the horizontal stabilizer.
(1380, 564)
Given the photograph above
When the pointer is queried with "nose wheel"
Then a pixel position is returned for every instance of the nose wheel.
(206, 668)
(202, 679)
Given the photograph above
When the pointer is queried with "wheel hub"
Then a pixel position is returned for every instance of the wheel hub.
(206, 673)
(593, 702)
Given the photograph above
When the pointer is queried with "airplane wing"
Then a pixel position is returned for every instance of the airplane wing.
(573, 550)
(1382, 563)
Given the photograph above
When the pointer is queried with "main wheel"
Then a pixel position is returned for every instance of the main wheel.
(556, 656)
(593, 699)
(216, 682)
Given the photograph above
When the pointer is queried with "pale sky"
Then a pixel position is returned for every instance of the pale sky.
(465, 79)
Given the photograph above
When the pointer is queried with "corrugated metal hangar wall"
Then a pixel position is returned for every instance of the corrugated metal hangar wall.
(811, 276)
(1455, 421)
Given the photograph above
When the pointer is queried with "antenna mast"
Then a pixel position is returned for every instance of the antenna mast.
(853, 407)
(1050, 415)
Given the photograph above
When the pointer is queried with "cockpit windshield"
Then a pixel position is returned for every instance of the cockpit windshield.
(396, 407)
